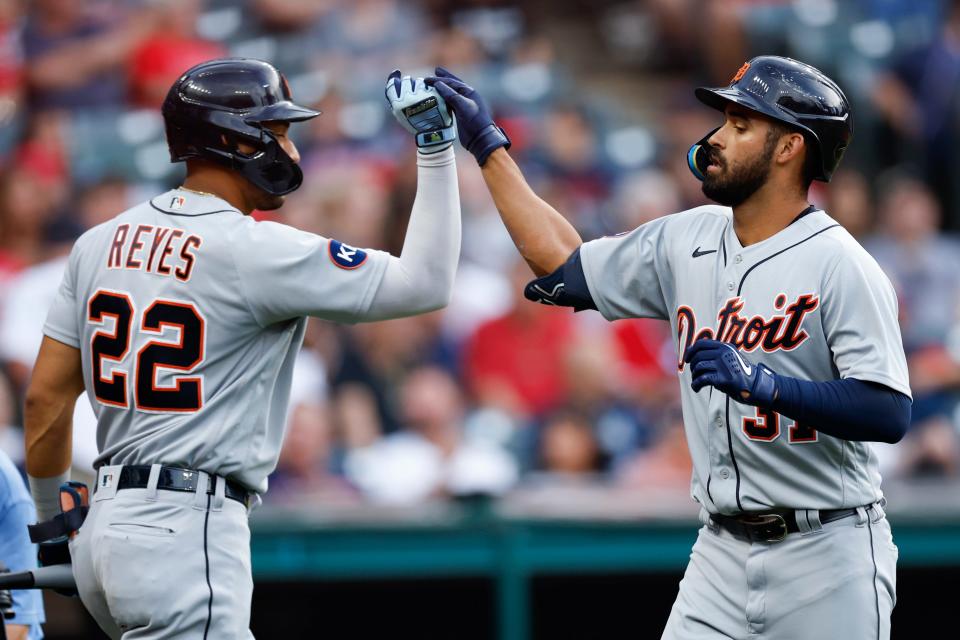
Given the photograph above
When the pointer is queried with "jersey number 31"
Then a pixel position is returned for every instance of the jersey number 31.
(183, 354)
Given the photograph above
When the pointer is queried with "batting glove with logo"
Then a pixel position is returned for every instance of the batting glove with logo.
(720, 365)
(478, 133)
(421, 111)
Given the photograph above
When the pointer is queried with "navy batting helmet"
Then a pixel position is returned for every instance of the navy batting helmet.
(219, 103)
(793, 93)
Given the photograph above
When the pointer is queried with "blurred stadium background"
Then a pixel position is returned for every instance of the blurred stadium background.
(498, 469)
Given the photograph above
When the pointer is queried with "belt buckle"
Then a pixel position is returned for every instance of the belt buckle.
(768, 527)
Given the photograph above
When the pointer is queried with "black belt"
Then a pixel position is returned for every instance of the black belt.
(773, 526)
(137, 476)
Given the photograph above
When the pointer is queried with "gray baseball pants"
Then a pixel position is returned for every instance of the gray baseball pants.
(833, 581)
(157, 564)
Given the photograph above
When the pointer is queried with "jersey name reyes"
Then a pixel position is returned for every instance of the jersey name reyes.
(781, 332)
(160, 250)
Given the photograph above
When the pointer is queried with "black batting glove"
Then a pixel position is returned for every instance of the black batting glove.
(477, 130)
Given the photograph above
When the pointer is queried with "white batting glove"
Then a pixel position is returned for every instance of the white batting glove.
(420, 110)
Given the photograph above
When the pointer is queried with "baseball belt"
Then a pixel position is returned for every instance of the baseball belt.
(137, 476)
(773, 526)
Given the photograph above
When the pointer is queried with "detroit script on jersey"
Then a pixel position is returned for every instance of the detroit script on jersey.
(781, 331)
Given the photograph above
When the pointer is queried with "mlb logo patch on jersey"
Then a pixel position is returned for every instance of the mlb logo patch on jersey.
(177, 202)
(345, 256)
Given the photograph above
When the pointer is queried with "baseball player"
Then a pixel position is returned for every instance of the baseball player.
(789, 355)
(181, 319)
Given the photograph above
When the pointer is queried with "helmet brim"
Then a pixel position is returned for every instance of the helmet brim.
(284, 111)
(719, 99)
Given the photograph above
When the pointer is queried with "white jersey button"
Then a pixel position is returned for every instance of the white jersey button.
(719, 421)
(724, 473)
(730, 286)
(738, 258)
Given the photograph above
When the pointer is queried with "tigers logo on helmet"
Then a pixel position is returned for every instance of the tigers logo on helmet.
(742, 70)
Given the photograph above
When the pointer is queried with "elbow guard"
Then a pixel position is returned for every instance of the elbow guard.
(565, 287)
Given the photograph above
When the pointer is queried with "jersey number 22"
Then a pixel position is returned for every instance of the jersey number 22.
(184, 354)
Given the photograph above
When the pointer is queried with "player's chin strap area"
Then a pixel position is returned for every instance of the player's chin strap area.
(74, 505)
(269, 169)
(698, 159)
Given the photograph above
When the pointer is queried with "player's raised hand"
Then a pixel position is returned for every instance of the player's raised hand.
(720, 365)
(478, 132)
(421, 111)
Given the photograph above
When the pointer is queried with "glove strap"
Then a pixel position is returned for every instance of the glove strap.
(764, 390)
(429, 141)
(488, 140)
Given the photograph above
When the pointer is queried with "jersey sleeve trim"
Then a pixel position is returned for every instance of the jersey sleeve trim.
(879, 378)
(59, 336)
(593, 285)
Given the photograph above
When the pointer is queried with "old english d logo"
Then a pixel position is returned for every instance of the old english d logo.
(345, 256)
(742, 70)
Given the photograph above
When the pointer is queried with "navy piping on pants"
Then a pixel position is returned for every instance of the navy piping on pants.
(206, 559)
(873, 557)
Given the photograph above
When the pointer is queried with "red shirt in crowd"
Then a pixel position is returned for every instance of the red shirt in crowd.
(521, 354)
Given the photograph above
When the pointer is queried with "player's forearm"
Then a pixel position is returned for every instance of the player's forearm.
(48, 426)
(421, 279)
(542, 235)
(848, 409)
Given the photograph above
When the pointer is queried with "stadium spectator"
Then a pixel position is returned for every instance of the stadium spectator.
(289, 15)
(918, 100)
(569, 449)
(74, 56)
(515, 362)
(666, 464)
(29, 199)
(11, 72)
(306, 471)
(432, 455)
(849, 202)
(171, 48)
(923, 267)
(601, 391)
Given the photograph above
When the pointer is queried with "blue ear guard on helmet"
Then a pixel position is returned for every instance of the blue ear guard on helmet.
(698, 159)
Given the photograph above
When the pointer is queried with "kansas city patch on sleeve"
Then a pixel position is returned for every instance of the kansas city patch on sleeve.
(345, 256)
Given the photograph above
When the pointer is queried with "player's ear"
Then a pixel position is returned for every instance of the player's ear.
(791, 145)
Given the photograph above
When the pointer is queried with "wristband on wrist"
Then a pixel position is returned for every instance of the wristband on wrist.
(46, 494)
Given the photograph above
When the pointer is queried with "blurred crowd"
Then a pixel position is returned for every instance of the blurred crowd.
(493, 392)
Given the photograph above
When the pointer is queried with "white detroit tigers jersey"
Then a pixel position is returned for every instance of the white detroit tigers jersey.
(188, 316)
(808, 302)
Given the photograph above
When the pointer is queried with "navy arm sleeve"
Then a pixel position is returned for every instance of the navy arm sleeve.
(848, 409)
(565, 287)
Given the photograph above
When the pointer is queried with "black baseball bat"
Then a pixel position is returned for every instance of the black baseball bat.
(58, 576)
